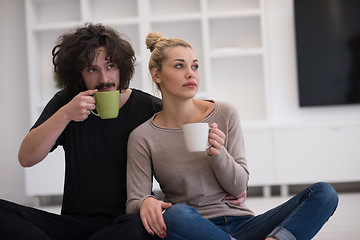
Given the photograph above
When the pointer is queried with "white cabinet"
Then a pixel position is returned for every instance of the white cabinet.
(47, 177)
(260, 156)
(309, 154)
(228, 37)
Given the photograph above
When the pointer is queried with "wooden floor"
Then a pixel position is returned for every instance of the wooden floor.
(343, 225)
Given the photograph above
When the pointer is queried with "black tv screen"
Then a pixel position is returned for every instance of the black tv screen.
(328, 51)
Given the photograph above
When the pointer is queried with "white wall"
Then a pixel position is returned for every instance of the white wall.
(14, 121)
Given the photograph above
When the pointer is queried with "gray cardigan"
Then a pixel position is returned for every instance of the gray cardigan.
(196, 179)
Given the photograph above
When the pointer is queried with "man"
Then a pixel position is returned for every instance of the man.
(93, 58)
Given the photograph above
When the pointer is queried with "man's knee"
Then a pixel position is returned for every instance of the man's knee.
(124, 227)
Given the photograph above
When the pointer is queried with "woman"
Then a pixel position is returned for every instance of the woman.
(195, 184)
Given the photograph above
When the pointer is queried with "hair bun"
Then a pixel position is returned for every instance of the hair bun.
(152, 39)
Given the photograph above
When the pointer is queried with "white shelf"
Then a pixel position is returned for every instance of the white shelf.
(54, 11)
(175, 18)
(244, 32)
(45, 27)
(174, 7)
(235, 13)
(120, 22)
(229, 5)
(226, 52)
(105, 10)
(243, 86)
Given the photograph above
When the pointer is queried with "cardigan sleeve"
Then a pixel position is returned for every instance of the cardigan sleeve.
(230, 165)
(139, 172)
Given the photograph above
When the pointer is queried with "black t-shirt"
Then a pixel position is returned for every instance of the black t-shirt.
(96, 153)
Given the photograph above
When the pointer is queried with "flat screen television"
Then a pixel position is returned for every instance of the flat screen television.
(328, 51)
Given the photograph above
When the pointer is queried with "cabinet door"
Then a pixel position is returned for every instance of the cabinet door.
(259, 155)
(317, 154)
(47, 177)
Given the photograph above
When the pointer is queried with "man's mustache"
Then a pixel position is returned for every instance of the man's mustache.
(105, 85)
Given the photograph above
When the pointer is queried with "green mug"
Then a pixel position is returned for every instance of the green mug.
(107, 104)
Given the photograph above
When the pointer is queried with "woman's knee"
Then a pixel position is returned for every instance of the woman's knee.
(181, 212)
(327, 194)
(179, 209)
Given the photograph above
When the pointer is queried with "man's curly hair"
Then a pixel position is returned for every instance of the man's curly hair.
(75, 51)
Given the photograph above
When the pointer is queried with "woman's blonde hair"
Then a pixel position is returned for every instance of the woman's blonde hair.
(159, 45)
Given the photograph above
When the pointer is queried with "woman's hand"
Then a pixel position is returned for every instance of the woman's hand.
(216, 140)
(151, 216)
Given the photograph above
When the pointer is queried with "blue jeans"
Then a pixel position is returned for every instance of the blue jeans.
(301, 217)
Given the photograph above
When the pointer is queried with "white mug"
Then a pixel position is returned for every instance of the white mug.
(196, 136)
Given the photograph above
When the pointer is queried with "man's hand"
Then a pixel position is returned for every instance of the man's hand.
(151, 216)
(39, 141)
(239, 201)
(78, 109)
